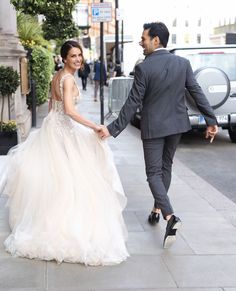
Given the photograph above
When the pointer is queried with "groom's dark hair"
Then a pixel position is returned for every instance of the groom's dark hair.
(158, 29)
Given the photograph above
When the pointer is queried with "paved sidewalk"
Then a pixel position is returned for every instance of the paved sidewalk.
(203, 257)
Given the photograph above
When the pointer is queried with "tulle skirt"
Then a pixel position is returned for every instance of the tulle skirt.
(65, 196)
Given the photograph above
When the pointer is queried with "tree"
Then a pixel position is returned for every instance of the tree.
(58, 22)
(9, 82)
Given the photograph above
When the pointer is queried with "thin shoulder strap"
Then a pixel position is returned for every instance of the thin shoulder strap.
(66, 76)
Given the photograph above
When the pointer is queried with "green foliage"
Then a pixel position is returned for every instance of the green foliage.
(59, 22)
(32, 7)
(9, 80)
(30, 31)
(28, 27)
(10, 125)
(60, 29)
(42, 68)
(35, 7)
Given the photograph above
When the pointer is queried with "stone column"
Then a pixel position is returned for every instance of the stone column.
(10, 53)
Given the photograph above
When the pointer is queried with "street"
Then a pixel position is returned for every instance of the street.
(215, 163)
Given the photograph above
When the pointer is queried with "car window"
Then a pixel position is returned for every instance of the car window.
(225, 61)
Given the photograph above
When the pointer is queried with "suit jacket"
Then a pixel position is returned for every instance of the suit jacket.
(159, 89)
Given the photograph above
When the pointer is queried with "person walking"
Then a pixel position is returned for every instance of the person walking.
(117, 70)
(97, 77)
(159, 88)
(83, 73)
(58, 63)
(69, 208)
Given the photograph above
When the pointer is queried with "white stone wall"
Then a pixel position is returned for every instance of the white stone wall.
(10, 53)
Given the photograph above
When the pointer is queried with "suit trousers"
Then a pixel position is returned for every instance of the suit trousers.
(158, 156)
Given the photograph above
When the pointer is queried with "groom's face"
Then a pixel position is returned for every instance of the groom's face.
(149, 44)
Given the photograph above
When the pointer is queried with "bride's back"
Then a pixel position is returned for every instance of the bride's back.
(57, 86)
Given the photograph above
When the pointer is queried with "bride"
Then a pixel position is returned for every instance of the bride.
(65, 196)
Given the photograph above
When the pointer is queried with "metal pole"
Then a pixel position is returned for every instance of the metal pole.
(122, 41)
(101, 72)
(32, 93)
(9, 107)
(117, 34)
(33, 96)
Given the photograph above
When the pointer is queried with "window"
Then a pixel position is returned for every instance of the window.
(199, 38)
(174, 24)
(224, 61)
(173, 38)
(186, 38)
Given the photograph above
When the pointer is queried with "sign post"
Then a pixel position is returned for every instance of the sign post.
(101, 12)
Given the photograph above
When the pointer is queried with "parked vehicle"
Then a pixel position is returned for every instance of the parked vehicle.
(215, 70)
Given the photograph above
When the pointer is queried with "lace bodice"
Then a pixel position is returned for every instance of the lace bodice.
(58, 105)
(59, 119)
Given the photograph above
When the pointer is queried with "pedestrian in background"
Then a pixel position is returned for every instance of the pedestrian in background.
(83, 73)
(117, 70)
(58, 63)
(159, 88)
(110, 68)
(97, 77)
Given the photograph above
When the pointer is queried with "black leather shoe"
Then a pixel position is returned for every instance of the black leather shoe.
(153, 218)
(173, 224)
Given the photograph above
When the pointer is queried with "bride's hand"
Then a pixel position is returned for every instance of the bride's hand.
(103, 132)
(97, 128)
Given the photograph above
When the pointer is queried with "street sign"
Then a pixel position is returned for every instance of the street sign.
(102, 12)
(119, 14)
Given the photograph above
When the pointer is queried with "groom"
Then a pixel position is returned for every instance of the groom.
(159, 88)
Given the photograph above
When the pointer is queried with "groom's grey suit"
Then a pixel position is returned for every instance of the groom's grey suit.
(159, 89)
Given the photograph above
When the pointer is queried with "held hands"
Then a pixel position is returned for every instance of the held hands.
(102, 131)
(211, 131)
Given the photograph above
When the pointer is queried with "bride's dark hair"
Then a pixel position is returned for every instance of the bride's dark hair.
(69, 45)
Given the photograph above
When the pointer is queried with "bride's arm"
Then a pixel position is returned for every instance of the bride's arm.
(69, 106)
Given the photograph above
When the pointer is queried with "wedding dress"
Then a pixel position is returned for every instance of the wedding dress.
(65, 196)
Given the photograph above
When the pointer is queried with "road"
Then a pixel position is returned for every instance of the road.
(215, 163)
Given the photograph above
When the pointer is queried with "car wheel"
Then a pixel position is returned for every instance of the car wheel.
(232, 133)
(215, 85)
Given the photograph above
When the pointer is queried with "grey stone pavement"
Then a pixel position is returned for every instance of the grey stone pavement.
(203, 257)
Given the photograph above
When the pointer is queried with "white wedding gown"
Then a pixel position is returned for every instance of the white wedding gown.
(65, 196)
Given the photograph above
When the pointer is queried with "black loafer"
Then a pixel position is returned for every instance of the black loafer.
(153, 218)
(173, 224)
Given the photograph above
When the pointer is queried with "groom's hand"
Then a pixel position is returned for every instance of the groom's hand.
(211, 132)
(103, 132)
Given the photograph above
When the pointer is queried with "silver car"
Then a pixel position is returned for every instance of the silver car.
(215, 70)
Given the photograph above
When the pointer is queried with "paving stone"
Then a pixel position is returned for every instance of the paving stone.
(208, 233)
(132, 221)
(22, 273)
(136, 272)
(204, 271)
